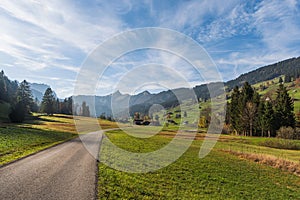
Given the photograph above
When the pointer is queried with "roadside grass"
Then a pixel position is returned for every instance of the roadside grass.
(17, 142)
(42, 131)
(217, 176)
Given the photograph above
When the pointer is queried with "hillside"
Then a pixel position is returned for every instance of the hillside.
(290, 67)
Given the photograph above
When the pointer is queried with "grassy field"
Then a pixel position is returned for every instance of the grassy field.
(220, 175)
(19, 140)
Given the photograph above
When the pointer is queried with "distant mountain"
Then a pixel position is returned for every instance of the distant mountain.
(38, 90)
(124, 103)
(119, 102)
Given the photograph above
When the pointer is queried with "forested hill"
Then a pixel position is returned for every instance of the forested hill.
(289, 67)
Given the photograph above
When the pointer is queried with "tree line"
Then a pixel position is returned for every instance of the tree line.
(18, 100)
(250, 115)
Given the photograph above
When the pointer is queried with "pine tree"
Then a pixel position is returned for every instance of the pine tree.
(247, 94)
(185, 114)
(234, 110)
(35, 105)
(70, 105)
(48, 102)
(2, 87)
(247, 108)
(268, 118)
(284, 108)
(260, 121)
(24, 95)
(57, 106)
(287, 79)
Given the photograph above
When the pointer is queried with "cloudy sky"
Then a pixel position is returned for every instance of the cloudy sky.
(48, 41)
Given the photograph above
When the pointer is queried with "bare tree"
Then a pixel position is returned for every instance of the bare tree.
(249, 115)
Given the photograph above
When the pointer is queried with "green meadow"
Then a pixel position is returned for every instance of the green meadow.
(220, 175)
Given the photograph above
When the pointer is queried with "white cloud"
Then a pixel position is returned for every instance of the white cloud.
(278, 23)
(39, 34)
(55, 36)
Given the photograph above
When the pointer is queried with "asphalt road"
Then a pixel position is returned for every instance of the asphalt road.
(66, 171)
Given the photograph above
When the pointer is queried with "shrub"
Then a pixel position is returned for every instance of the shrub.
(226, 129)
(287, 133)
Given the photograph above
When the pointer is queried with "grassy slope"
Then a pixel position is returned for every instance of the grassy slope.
(217, 176)
(293, 91)
(17, 141)
(192, 113)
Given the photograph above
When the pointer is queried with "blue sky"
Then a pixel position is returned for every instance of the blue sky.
(47, 41)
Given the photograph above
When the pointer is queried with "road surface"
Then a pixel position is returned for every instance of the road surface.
(66, 171)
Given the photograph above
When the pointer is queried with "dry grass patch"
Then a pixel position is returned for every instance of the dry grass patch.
(269, 160)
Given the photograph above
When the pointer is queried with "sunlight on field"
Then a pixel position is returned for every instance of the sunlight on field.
(66, 123)
(219, 175)
(19, 140)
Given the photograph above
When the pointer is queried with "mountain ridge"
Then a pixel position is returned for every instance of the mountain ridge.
(143, 101)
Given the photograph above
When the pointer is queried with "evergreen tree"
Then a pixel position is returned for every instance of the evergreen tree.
(35, 105)
(11, 90)
(24, 95)
(70, 105)
(185, 114)
(247, 108)
(268, 118)
(48, 102)
(260, 121)
(284, 108)
(57, 107)
(287, 79)
(234, 110)
(2, 87)
(246, 94)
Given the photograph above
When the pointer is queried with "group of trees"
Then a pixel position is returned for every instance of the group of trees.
(17, 97)
(249, 114)
(51, 105)
(20, 102)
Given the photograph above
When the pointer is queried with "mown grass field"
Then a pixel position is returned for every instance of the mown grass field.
(19, 140)
(220, 175)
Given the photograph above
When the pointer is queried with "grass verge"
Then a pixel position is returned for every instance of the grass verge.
(17, 142)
